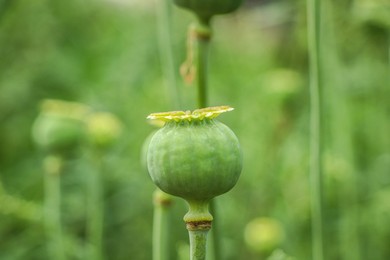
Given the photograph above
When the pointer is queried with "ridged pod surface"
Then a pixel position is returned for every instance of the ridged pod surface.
(195, 159)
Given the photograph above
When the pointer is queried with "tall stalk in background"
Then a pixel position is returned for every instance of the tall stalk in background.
(95, 210)
(202, 36)
(161, 228)
(58, 131)
(314, 43)
(164, 23)
(388, 50)
(103, 131)
(162, 201)
(52, 206)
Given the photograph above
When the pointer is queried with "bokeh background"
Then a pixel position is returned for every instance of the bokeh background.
(106, 54)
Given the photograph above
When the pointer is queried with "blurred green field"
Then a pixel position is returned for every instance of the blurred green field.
(105, 54)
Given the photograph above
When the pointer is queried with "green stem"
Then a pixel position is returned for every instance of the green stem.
(388, 51)
(313, 13)
(198, 241)
(217, 253)
(202, 37)
(198, 221)
(52, 207)
(95, 211)
(164, 14)
(162, 205)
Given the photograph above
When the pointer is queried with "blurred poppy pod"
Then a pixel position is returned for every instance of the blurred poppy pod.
(194, 156)
(282, 83)
(205, 9)
(373, 12)
(104, 129)
(59, 127)
(264, 234)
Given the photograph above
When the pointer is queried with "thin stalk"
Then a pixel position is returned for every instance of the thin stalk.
(95, 211)
(164, 24)
(215, 239)
(161, 229)
(201, 69)
(162, 201)
(202, 36)
(313, 14)
(52, 207)
(388, 51)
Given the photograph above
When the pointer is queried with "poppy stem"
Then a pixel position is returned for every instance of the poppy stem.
(161, 241)
(95, 209)
(52, 206)
(314, 18)
(202, 33)
(198, 222)
(164, 14)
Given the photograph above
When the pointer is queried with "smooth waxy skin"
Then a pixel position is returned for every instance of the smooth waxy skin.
(195, 160)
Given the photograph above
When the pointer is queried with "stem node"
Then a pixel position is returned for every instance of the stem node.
(198, 225)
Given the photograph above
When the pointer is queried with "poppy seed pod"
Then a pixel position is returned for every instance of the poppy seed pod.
(205, 9)
(194, 156)
(59, 127)
(264, 234)
(104, 129)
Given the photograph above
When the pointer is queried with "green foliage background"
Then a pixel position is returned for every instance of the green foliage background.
(105, 54)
